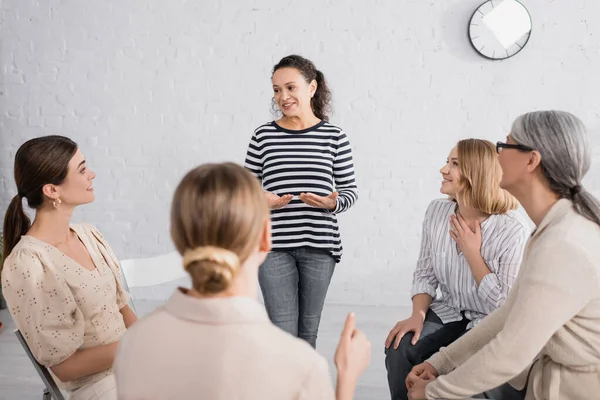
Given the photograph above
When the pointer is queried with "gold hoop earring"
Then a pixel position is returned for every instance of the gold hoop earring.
(57, 202)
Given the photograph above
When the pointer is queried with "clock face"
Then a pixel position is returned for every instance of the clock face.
(499, 29)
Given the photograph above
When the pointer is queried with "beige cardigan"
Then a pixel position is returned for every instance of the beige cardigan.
(547, 333)
(217, 349)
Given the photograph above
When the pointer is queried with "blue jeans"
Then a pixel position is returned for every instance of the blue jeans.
(294, 285)
(435, 334)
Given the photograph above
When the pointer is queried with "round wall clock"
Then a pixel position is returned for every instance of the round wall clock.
(499, 29)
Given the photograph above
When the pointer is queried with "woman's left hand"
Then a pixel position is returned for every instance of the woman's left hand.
(328, 203)
(468, 241)
(417, 390)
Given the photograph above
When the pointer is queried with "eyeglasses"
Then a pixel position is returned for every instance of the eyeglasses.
(520, 147)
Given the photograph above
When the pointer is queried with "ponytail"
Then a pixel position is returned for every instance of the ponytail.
(586, 204)
(321, 101)
(16, 224)
(561, 138)
(39, 161)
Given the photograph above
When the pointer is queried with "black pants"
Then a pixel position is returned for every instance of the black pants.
(399, 362)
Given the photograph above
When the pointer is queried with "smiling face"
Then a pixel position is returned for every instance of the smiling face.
(292, 93)
(76, 189)
(451, 174)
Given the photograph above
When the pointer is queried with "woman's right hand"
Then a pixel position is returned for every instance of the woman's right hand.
(353, 353)
(412, 324)
(276, 201)
(423, 371)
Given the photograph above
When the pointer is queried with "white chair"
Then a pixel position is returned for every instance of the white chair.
(152, 271)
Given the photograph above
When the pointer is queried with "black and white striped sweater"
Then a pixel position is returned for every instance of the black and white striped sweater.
(316, 160)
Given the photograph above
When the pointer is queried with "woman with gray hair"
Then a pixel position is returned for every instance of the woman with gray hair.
(546, 336)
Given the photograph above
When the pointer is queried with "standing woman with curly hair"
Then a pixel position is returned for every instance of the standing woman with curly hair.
(306, 169)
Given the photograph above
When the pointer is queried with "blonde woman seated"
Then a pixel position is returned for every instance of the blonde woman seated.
(545, 338)
(471, 248)
(215, 341)
(62, 281)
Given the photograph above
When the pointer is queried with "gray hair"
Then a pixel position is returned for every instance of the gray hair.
(561, 139)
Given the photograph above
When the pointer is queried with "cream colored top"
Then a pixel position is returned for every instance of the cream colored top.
(217, 349)
(549, 327)
(61, 307)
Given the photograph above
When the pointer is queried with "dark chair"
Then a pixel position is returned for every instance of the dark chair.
(51, 391)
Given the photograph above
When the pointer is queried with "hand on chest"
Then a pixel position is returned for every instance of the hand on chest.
(466, 235)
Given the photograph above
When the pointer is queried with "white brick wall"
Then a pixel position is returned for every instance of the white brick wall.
(152, 88)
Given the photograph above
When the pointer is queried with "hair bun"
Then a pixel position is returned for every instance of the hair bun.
(212, 268)
(217, 255)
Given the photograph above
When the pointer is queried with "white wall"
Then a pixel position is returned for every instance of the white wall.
(152, 88)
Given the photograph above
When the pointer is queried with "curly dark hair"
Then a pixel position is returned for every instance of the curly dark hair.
(321, 101)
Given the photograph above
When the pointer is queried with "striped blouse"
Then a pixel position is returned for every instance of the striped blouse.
(316, 160)
(442, 265)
